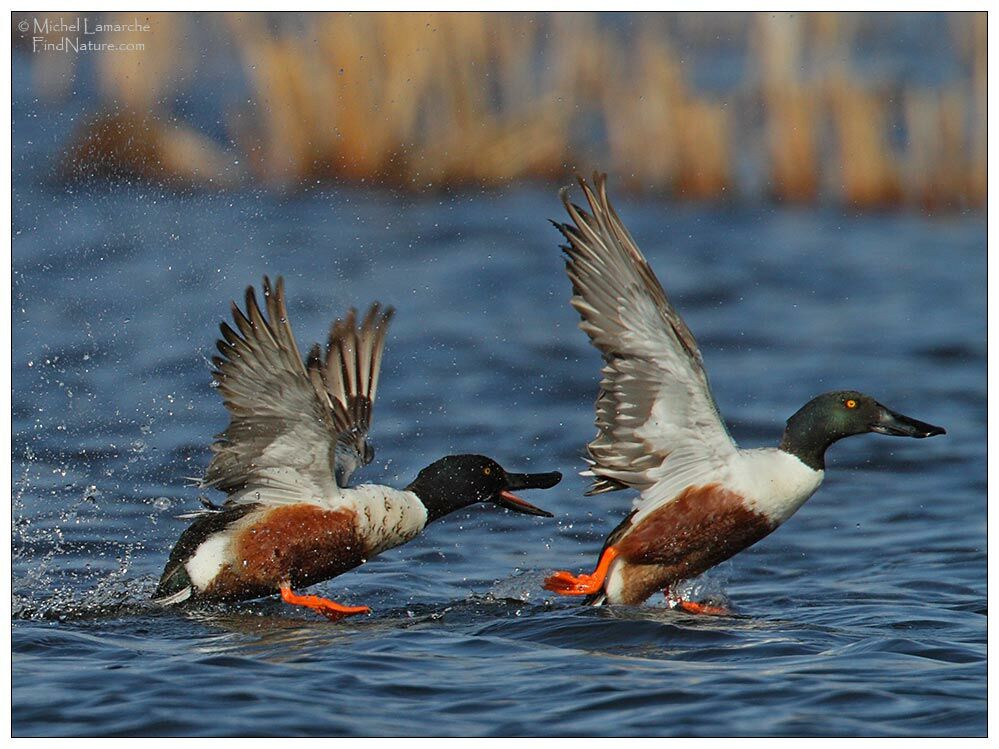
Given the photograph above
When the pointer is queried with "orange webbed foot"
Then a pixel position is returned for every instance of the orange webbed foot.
(330, 609)
(706, 609)
(676, 601)
(567, 584)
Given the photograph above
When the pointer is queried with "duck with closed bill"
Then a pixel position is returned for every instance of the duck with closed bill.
(701, 498)
(297, 433)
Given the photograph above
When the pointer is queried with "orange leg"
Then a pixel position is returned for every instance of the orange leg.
(693, 607)
(566, 584)
(324, 606)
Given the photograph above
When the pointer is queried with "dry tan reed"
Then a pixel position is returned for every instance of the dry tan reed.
(868, 169)
(433, 99)
(791, 110)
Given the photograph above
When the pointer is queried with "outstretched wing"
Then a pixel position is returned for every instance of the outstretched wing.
(278, 447)
(658, 428)
(349, 378)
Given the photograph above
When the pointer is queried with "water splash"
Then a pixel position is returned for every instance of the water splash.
(65, 563)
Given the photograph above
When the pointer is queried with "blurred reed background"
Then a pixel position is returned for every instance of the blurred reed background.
(716, 106)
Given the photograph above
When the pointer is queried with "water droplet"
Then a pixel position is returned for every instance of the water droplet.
(162, 503)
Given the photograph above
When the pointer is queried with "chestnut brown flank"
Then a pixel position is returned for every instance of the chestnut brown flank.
(703, 526)
(301, 543)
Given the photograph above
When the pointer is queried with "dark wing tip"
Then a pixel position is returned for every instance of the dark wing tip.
(378, 317)
(230, 335)
(277, 287)
(237, 314)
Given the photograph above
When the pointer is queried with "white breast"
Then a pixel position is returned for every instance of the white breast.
(386, 517)
(774, 483)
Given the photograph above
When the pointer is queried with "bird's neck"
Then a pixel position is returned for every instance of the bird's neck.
(807, 439)
(439, 499)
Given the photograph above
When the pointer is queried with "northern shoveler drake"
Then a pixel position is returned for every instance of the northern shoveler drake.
(297, 432)
(702, 499)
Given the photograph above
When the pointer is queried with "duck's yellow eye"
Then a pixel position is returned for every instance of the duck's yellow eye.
(851, 403)
(487, 470)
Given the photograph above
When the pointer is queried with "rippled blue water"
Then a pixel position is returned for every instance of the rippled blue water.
(864, 615)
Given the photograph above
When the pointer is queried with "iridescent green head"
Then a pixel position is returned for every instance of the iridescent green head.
(842, 413)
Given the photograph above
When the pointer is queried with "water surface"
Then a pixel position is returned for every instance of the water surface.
(864, 615)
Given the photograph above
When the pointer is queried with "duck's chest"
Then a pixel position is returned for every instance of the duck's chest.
(774, 483)
(386, 517)
(706, 524)
(304, 543)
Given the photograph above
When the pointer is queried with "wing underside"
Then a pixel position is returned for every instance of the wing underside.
(293, 426)
(349, 376)
(655, 415)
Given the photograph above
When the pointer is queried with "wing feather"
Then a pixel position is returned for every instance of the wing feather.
(351, 370)
(279, 444)
(657, 422)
